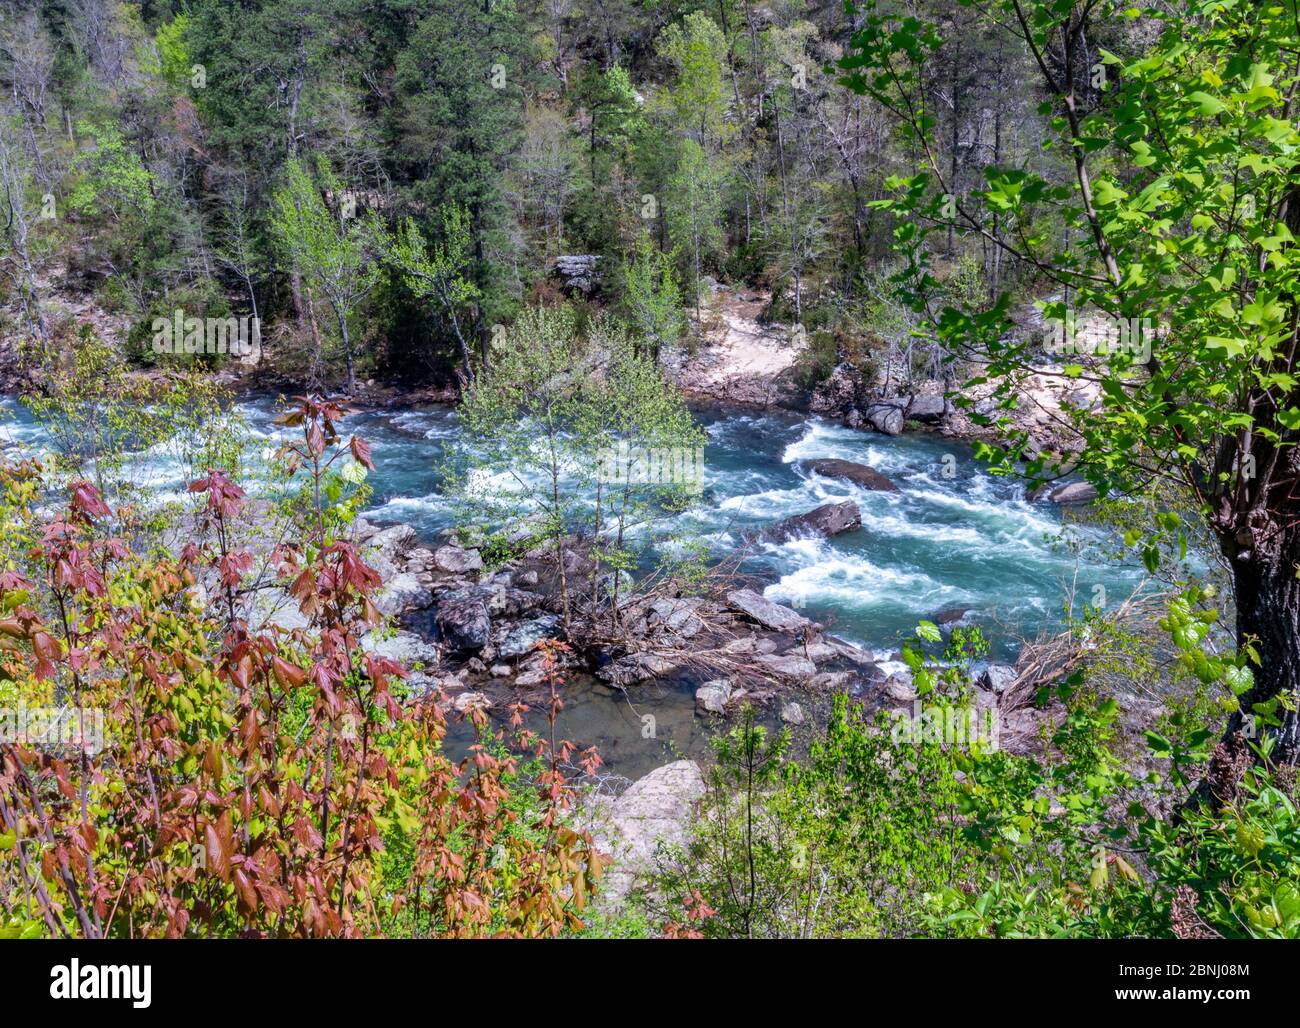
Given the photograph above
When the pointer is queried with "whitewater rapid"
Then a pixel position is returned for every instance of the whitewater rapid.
(952, 537)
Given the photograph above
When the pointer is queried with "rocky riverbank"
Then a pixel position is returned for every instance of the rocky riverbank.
(482, 633)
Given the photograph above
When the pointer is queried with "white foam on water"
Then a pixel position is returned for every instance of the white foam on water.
(819, 574)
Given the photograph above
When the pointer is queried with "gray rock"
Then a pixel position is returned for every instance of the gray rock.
(824, 521)
(792, 714)
(363, 531)
(501, 600)
(464, 623)
(744, 644)
(853, 654)
(531, 677)
(1074, 492)
(997, 678)
(457, 560)
(467, 700)
(278, 608)
(765, 612)
(790, 667)
(626, 585)
(714, 696)
(387, 550)
(511, 603)
(406, 648)
(858, 474)
(676, 615)
(519, 638)
(395, 537)
(654, 812)
(404, 592)
(887, 416)
(499, 670)
(831, 681)
(929, 409)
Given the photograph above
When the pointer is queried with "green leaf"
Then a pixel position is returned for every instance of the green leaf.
(1206, 104)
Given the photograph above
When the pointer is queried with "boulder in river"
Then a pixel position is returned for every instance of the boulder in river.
(768, 614)
(817, 652)
(887, 416)
(858, 474)
(713, 696)
(464, 623)
(950, 616)
(1074, 492)
(827, 520)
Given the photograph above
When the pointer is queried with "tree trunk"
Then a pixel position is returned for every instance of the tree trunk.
(1268, 618)
(347, 352)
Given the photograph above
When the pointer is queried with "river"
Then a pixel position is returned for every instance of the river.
(953, 536)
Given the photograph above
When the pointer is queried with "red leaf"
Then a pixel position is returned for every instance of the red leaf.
(86, 499)
(361, 453)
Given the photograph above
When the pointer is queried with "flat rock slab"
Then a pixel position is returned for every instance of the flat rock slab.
(768, 614)
(406, 648)
(789, 666)
(403, 592)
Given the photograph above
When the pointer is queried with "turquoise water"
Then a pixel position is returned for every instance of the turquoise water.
(953, 536)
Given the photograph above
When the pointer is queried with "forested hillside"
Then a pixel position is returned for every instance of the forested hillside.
(615, 468)
(717, 143)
